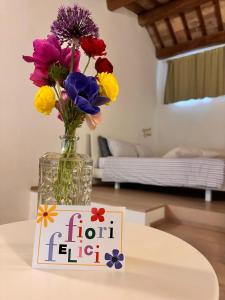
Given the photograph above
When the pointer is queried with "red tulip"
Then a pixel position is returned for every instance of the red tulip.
(93, 46)
(103, 65)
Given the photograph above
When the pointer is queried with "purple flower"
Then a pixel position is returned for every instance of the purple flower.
(114, 259)
(73, 23)
(46, 53)
(84, 91)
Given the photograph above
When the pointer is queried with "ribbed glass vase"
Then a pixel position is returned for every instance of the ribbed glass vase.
(65, 178)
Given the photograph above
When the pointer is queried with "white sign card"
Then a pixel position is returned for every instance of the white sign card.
(79, 237)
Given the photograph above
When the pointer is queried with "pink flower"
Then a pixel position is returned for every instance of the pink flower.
(93, 120)
(46, 53)
(57, 105)
(59, 116)
(65, 96)
(39, 76)
(66, 55)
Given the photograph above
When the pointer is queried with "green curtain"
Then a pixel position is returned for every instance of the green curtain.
(196, 76)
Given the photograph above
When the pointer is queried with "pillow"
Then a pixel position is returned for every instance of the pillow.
(120, 148)
(184, 152)
(103, 147)
(212, 153)
(143, 151)
(189, 152)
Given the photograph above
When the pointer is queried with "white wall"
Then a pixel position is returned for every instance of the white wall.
(199, 123)
(25, 134)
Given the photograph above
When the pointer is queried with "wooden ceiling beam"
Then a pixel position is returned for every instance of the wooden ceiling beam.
(171, 31)
(115, 4)
(186, 28)
(201, 20)
(135, 7)
(204, 41)
(167, 10)
(157, 34)
(218, 15)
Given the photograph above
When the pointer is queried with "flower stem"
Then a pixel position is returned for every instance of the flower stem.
(85, 69)
(57, 94)
(67, 163)
(72, 58)
(58, 89)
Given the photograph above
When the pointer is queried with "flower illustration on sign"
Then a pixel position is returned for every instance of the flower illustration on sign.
(46, 214)
(97, 214)
(114, 259)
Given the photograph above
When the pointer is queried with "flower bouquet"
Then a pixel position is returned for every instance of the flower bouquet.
(66, 178)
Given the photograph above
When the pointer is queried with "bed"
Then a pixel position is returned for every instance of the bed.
(201, 173)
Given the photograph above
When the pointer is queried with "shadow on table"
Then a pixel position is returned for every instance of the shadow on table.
(149, 278)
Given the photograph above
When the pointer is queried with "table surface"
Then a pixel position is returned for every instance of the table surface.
(159, 266)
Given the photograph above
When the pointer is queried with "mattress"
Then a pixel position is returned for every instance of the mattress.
(183, 172)
(101, 162)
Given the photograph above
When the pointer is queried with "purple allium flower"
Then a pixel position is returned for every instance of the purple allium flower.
(73, 23)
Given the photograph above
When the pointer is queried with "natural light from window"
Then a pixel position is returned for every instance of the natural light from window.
(193, 102)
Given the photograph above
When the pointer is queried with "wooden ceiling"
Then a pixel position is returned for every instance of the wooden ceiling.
(177, 26)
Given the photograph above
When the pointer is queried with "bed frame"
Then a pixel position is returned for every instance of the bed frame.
(94, 153)
(208, 192)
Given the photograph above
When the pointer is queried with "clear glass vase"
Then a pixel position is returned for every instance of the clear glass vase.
(65, 178)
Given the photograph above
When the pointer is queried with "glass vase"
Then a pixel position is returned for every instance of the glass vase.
(65, 178)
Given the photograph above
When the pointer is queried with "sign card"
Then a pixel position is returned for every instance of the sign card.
(79, 237)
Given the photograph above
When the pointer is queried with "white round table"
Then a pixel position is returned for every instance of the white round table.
(159, 266)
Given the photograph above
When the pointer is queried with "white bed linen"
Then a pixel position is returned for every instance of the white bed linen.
(101, 162)
(184, 172)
